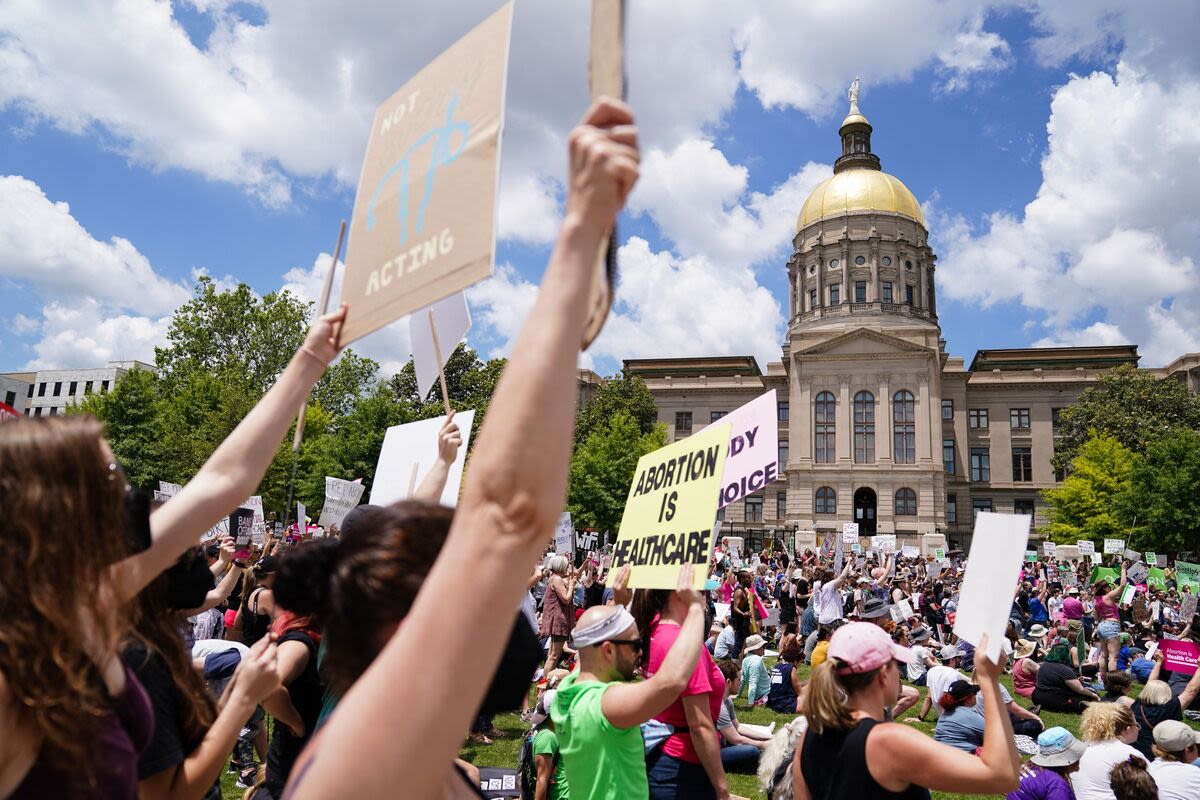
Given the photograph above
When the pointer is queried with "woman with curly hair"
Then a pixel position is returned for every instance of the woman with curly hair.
(1110, 731)
(73, 718)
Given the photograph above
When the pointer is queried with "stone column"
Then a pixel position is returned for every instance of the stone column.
(845, 422)
(875, 293)
(923, 415)
(846, 295)
(932, 291)
(801, 419)
(883, 423)
(922, 301)
(821, 299)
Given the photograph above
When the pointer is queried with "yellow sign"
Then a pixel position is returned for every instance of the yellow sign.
(668, 520)
(423, 224)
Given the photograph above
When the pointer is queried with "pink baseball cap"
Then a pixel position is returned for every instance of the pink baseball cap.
(864, 646)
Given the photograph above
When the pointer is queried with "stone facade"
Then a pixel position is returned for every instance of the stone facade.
(48, 392)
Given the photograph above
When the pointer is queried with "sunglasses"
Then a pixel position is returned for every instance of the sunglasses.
(636, 644)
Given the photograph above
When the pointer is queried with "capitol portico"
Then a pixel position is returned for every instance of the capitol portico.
(879, 424)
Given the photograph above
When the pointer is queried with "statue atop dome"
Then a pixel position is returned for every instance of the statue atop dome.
(853, 95)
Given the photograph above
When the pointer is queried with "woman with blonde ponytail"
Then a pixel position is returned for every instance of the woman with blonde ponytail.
(850, 752)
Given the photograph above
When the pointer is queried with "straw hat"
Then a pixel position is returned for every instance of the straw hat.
(1024, 648)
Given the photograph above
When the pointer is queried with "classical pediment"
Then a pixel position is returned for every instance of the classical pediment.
(863, 342)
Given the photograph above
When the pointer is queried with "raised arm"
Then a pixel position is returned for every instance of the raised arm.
(449, 440)
(512, 499)
(217, 595)
(1189, 692)
(1115, 593)
(840, 579)
(233, 472)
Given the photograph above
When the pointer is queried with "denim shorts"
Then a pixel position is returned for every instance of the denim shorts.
(1108, 629)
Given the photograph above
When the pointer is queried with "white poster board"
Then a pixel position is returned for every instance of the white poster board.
(1049, 549)
(1132, 555)
(453, 320)
(997, 550)
(805, 540)
(341, 497)
(409, 452)
(1112, 546)
(850, 532)
(564, 535)
(885, 543)
(1086, 548)
(910, 551)
(1138, 573)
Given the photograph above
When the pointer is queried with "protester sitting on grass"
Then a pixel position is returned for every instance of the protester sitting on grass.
(510, 502)
(1155, 704)
(1176, 747)
(754, 671)
(1110, 731)
(550, 781)
(1116, 688)
(923, 657)
(739, 750)
(1058, 685)
(849, 751)
(1047, 776)
(85, 716)
(1025, 668)
(961, 724)
(1130, 781)
(786, 687)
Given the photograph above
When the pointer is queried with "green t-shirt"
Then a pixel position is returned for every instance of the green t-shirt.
(602, 762)
(545, 743)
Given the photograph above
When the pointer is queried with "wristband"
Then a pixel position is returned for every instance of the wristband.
(239, 564)
(308, 352)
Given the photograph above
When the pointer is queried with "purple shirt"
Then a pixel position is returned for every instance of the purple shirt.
(1041, 784)
(1072, 608)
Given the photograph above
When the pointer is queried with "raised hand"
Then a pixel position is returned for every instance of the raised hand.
(228, 549)
(622, 594)
(604, 162)
(449, 440)
(322, 340)
(684, 590)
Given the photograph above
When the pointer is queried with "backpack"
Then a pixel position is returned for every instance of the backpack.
(527, 766)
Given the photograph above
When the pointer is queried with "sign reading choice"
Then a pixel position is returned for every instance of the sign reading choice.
(668, 519)
(753, 459)
(424, 216)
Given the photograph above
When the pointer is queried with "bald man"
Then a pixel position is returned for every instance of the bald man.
(597, 712)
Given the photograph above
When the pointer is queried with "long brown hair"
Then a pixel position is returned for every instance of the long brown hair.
(825, 706)
(648, 604)
(63, 513)
(157, 628)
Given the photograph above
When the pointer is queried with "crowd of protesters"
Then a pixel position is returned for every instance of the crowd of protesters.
(135, 664)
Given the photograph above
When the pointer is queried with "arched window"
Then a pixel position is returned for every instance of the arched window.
(826, 500)
(904, 417)
(824, 429)
(864, 428)
(906, 503)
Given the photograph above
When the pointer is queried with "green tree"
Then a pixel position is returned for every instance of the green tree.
(602, 469)
(347, 380)
(470, 383)
(1163, 495)
(1085, 505)
(1130, 405)
(620, 393)
(130, 413)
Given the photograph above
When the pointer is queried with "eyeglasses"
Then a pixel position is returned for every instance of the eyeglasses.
(636, 644)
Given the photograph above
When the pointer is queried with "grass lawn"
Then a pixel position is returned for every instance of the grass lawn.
(503, 752)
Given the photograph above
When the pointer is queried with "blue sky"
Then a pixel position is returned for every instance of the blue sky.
(1054, 148)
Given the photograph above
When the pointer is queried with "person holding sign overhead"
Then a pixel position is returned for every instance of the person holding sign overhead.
(1108, 621)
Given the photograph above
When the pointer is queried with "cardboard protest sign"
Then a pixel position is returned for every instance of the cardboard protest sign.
(939, 554)
(1031, 555)
(409, 452)
(1160, 559)
(166, 491)
(910, 551)
(1112, 546)
(995, 565)
(1049, 549)
(1150, 558)
(585, 541)
(452, 319)
(564, 535)
(1127, 595)
(341, 497)
(1132, 555)
(1068, 579)
(850, 532)
(1188, 574)
(1180, 656)
(424, 215)
(669, 512)
(1138, 573)
(885, 543)
(301, 518)
(1086, 548)
(1187, 607)
(829, 544)
(753, 460)
(1094, 558)
(258, 532)
(241, 524)
(856, 548)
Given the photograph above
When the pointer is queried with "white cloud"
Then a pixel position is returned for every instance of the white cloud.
(501, 305)
(1105, 251)
(84, 334)
(972, 52)
(42, 244)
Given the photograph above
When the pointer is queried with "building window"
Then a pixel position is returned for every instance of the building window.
(906, 503)
(835, 292)
(887, 291)
(57, 388)
(904, 417)
(104, 387)
(826, 411)
(87, 388)
(812, 299)
(683, 421)
(783, 411)
(947, 409)
(1022, 460)
(1056, 418)
(721, 514)
(781, 505)
(716, 415)
(951, 508)
(948, 455)
(887, 261)
(42, 389)
(826, 500)
(977, 418)
(783, 455)
(860, 291)
(864, 428)
(1023, 506)
(980, 504)
(981, 464)
(30, 392)
(73, 389)
(10, 399)
(833, 263)
(860, 260)
(908, 293)
(754, 509)
(37, 412)
(1018, 417)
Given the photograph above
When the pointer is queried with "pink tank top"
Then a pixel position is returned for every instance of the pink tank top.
(1106, 609)
(1023, 682)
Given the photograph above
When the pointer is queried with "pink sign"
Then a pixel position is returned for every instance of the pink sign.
(1179, 656)
(753, 460)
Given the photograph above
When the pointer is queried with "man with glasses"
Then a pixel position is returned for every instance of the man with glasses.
(598, 711)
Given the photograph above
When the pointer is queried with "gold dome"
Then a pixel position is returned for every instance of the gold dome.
(859, 190)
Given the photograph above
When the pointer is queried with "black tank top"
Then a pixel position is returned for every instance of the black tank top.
(254, 624)
(834, 765)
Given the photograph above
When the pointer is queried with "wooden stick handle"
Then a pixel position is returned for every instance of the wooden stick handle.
(437, 353)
